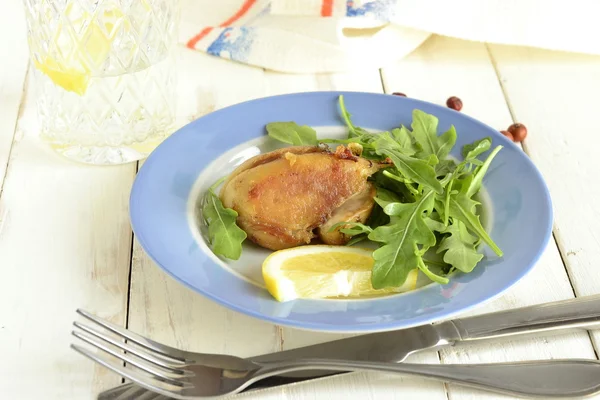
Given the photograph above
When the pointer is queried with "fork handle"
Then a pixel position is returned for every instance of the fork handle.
(545, 379)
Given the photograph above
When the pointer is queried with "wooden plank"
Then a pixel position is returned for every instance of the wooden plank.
(556, 95)
(445, 67)
(64, 243)
(14, 57)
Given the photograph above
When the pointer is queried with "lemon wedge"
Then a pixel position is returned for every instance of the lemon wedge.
(68, 78)
(74, 71)
(320, 271)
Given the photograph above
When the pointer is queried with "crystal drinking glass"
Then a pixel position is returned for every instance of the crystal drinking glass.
(104, 75)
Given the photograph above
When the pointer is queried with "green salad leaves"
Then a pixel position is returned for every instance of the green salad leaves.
(402, 240)
(224, 235)
(426, 214)
(434, 202)
(292, 133)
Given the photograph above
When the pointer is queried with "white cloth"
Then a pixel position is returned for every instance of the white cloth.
(337, 35)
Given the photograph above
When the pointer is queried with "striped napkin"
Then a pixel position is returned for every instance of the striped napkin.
(311, 36)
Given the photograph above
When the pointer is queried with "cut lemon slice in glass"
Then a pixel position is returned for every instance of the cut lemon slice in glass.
(318, 272)
(68, 78)
(90, 51)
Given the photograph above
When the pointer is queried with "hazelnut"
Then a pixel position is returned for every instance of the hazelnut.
(399, 94)
(519, 131)
(508, 135)
(454, 103)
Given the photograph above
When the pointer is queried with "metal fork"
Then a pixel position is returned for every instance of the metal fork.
(185, 375)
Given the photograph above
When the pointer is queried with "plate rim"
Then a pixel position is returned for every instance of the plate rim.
(319, 327)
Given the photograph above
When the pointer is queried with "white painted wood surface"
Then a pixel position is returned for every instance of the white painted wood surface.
(558, 98)
(65, 239)
(12, 81)
(65, 243)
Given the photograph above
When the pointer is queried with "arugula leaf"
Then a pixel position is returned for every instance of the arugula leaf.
(435, 225)
(385, 197)
(424, 130)
(403, 138)
(353, 131)
(386, 140)
(346, 115)
(292, 133)
(377, 217)
(471, 151)
(445, 167)
(436, 278)
(447, 200)
(460, 247)
(382, 198)
(432, 160)
(401, 237)
(400, 189)
(462, 208)
(351, 228)
(475, 184)
(412, 168)
(356, 135)
(446, 142)
(356, 239)
(365, 141)
(408, 184)
(224, 235)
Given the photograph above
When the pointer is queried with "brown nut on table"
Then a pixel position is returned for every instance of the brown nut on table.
(508, 135)
(454, 103)
(519, 132)
(399, 94)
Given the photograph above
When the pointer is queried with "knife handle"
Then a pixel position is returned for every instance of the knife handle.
(583, 312)
(542, 379)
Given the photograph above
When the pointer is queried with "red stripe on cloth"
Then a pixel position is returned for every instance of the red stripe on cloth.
(327, 8)
(192, 42)
(239, 14)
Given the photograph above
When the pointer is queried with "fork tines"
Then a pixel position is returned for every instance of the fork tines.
(150, 364)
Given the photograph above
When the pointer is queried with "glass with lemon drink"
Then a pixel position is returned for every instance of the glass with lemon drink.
(104, 75)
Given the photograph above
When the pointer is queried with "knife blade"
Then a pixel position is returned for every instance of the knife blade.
(395, 346)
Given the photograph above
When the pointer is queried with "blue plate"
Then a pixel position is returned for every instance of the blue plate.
(165, 217)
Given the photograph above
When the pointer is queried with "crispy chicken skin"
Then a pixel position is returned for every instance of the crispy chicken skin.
(284, 196)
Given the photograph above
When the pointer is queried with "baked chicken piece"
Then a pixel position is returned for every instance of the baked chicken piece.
(287, 197)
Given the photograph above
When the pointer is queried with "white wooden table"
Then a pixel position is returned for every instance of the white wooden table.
(66, 242)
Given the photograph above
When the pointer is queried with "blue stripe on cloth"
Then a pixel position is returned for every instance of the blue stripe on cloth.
(233, 43)
(376, 9)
